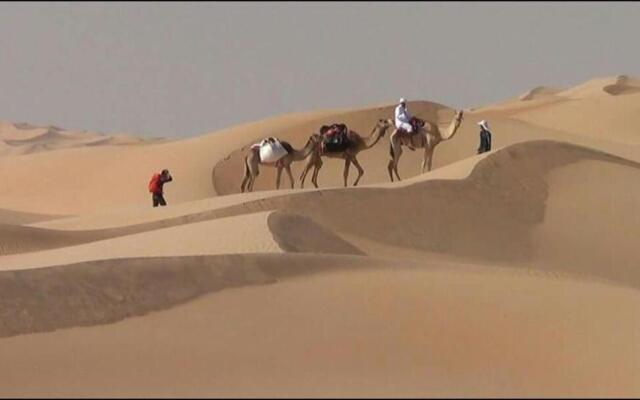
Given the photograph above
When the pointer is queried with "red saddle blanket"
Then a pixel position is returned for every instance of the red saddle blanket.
(331, 131)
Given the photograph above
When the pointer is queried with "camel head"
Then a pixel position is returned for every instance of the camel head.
(383, 125)
(458, 118)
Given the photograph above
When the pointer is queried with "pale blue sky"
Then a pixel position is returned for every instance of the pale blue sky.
(182, 69)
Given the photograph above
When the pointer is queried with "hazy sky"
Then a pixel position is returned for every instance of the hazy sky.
(181, 69)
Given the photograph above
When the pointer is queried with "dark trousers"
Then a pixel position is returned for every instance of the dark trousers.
(158, 199)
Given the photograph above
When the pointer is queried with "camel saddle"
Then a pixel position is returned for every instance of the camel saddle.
(416, 124)
(335, 138)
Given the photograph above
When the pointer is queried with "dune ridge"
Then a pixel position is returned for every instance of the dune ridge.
(25, 138)
(393, 331)
(539, 92)
(12, 217)
(610, 85)
(105, 291)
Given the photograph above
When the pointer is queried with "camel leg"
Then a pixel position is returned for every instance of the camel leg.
(251, 171)
(310, 163)
(244, 183)
(429, 159)
(360, 171)
(252, 179)
(316, 169)
(424, 158)
(428, 153)
(396, 162)
(395, 170)
(288, 169)
(303, 175)
(249, 167)
(255, 171)
(347, 164)
(278, 175)
(393, 135)
(245, 178)
(392, 151)
(397, 152)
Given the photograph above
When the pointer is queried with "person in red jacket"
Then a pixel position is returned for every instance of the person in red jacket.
(156, 187)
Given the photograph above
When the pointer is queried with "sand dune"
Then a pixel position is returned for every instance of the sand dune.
(22, 239)
(604, 87)
(137, 286)
(11, 217)
(209, 165)
(614, 118)
(504, 199)
(127, 217)
(113, 177)
(387, 331)
(604, 108)
(511, 273)
(202, 238)
(538, 93)
(24, 138)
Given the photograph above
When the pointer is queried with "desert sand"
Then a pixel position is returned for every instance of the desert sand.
(511, 273)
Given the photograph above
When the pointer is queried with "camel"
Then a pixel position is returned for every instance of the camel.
(252, 161)
(357, 144)
(427, 138)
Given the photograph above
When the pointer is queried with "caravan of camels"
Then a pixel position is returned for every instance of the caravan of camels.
(338, 141)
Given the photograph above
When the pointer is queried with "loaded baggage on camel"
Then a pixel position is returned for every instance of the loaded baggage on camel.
(334, 137)
(271, 150)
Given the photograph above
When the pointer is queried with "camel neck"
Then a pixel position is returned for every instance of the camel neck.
(452, 129)
(373, 138)
(304, 152)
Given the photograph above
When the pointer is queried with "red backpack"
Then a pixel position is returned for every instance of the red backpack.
(154, 187)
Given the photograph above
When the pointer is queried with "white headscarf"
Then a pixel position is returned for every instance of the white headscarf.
(484, 124)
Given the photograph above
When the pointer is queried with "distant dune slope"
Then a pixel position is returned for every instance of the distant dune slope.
(606, 108)
(23, 138)
(114, 177)
(613, 118)
(539, 92)
(604, 87)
